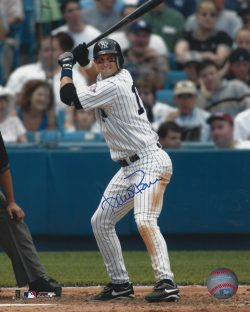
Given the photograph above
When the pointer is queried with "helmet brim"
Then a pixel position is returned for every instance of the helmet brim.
(105, 52)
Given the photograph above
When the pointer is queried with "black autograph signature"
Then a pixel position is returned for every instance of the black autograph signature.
(120, 199)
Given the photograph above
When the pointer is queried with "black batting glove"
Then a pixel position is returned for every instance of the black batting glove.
(81, 54)
(66, 60)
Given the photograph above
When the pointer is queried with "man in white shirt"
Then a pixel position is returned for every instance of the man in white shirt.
(74, 25)
(242, 126)
(47, 68)
(121, 36)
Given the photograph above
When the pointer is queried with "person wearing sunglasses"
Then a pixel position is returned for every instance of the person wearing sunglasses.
(205, 39)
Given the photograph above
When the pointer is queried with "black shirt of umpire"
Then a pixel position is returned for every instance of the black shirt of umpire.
(4, 161)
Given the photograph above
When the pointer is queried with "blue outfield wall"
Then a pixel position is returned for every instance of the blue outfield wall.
(60, 189)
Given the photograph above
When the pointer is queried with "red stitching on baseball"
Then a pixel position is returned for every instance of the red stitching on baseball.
(221, 272)
(213, 290)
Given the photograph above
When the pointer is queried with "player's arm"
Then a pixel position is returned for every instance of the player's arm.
(67, 60)
(68, 92)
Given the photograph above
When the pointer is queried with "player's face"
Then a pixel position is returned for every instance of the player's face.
(106, 65)
(222, 133)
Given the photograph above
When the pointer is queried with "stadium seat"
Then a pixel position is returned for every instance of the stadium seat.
(173, 76)
(80, 136)
(74, 136)
(31, 136)
(165, 96)
(60, 119)
(49, 137)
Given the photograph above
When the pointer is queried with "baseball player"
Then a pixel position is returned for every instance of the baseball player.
(145, 168)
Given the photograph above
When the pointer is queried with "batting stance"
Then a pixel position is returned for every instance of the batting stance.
(145, 168)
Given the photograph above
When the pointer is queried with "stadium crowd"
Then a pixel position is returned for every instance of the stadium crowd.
(190, 61)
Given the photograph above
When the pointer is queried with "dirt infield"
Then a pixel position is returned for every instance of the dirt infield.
(193, 299)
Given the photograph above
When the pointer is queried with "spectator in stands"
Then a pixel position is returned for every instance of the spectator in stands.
(227, 21)
(84, 121)
(188, 116)
(166, 22)
(189, 65)
(244, 13)
(74, 26)
(36, 106)
(222, 130)
(242, 126)
(186, 8)
(239, 65)
(142, 61)
(242, 39)
(42, 69)
(15, 236)
(157, 112)
(47, 68)
(170, 135)
(103, 15)
(210, 43)
(11, 15)
(121, 36)
(48, 16)
(221, 95)
(11, 126)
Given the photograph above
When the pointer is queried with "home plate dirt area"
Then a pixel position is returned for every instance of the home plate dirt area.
(76, 299)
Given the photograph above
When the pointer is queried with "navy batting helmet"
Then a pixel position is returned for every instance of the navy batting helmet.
(109, 46)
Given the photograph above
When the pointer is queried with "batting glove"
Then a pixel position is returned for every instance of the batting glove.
(66, 61)
(81, 55)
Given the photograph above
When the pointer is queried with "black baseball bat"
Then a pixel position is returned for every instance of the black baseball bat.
(142, 9)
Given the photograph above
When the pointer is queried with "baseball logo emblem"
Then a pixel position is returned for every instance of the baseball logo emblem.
(104, 44)
(222, 283)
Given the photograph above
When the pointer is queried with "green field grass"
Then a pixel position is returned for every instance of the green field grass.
(86, 268)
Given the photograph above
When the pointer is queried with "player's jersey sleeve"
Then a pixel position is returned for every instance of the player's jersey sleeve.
(102, 93)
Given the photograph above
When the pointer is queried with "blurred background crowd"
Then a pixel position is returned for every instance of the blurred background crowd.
(190, 60)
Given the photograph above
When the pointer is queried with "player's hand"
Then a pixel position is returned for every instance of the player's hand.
(81, 54)
(15, 212)
(66, 60)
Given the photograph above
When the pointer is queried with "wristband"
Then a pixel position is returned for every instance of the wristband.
(66, 72)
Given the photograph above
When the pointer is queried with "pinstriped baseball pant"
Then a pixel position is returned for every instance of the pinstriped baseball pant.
(141, 186)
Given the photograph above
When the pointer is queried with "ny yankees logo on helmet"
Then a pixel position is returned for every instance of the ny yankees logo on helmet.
(103, 44)
(109, 46)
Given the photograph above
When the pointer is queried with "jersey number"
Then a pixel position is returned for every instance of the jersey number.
(141, 109)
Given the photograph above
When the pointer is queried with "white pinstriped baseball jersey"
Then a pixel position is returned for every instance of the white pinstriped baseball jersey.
(120, 112)
(140, 185)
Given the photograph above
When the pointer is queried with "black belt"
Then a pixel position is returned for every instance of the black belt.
(126, 162)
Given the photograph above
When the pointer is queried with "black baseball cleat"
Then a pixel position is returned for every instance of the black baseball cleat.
(45, 284)
(116, 291)
(164, 290)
